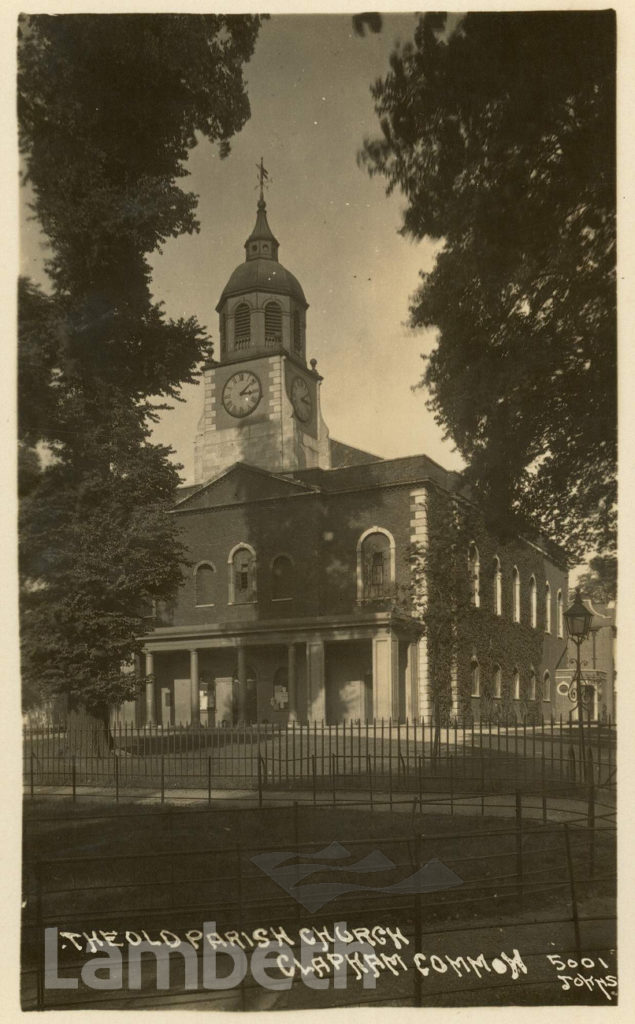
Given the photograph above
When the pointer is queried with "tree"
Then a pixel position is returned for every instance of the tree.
(500, 134)
(109, 106)
(600, 581)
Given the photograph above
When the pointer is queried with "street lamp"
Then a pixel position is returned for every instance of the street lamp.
(578, 619)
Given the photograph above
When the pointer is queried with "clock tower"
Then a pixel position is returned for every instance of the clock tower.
(261, 400)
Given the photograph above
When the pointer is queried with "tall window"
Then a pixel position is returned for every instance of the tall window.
(515, 595)
(474, 569)
(475, 675)
(532, 684)
(516, 684)
(560, 613)
(204, 583)
(273, 324)
(223, 330)
(242, 326)
(242, 574)
(498, 587)
(533, 602)
(375, 565)
(282, 582)
(498, 681)
(546, 686)
(297, 332)
(547, 607)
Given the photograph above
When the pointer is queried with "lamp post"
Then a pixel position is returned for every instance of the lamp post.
(578, 619)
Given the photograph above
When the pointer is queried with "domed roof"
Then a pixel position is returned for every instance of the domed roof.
(263, 275)
(261, 270)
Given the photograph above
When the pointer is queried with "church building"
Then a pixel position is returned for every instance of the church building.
(303, 601)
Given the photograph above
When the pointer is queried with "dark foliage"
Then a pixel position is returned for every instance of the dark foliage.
(109, 106)
(501, 136)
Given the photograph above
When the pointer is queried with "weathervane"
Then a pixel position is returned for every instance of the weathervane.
(263, 177)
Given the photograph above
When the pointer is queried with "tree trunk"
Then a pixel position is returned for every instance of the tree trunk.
(88, 734)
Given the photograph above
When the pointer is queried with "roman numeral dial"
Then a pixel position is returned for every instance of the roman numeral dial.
(301, 399)
(242, 393)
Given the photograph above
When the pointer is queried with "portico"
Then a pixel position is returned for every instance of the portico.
(327, 669)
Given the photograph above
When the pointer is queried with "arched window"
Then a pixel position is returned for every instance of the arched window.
(532, 683)
(474, 569)
(242, 326)
(375, 565)
(516, 684)
(498, 587)
(498, 681)
(282, 578)
(297, 332)
(547, 607)
(273, 324)
(533, 602)
(546, 686)
(242, 574)
(515, 595)
(560, 613)
(475, 677)
(204, 582)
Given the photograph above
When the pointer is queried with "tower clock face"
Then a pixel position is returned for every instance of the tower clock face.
(301, 399)
(241, 393)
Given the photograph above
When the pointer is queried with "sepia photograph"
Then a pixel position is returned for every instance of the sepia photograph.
(317, 484)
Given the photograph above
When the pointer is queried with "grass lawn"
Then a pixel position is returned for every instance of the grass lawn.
(147, 868)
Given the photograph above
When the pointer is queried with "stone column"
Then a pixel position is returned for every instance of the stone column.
(292, 706)
(150, 717)
(242, 682)
(316, 697)
(412, 681)
(385, 676)
(195, 714)
(426, 697)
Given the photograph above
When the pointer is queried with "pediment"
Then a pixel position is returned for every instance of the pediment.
(238, 484)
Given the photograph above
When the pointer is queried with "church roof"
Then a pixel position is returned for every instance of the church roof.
(261, 271)
(261, 233)
(380, 473)
(262, 275)
(346, 455)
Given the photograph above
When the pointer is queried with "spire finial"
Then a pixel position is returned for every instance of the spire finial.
(263, 176)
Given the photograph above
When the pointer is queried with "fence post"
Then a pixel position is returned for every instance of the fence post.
(390, 781)
(239, 894)
(39, 924)
(418, 936)
(420, 776)
(519, 845)
(209, 780)
(609, 753)
(314, 775)
(333, 766)
(116, 779)
(259, 780)
(482, 783)
(451, 785)
(370, 780)
(32, 776)
(74, 777)
(162, 777)
(591, 815)
(574, 901)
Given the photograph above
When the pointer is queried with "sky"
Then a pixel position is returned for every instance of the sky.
(309, 89)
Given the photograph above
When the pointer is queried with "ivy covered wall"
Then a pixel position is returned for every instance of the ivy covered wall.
(456, 569)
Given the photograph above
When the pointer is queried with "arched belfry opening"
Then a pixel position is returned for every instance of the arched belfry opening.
(262, 398)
